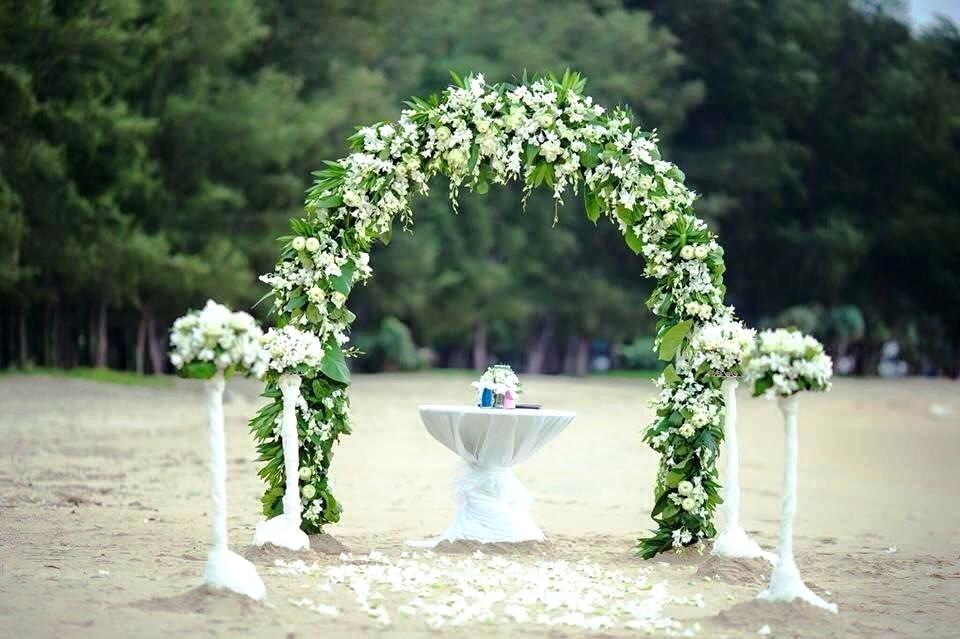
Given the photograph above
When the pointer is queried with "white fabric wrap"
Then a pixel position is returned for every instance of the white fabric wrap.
(733, 540)
(290, 388)
(284, 530)
(785, 582)
(492, 504)
(224, 569)
(218, 462)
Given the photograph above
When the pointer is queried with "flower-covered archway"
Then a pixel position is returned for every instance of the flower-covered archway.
(542, 133)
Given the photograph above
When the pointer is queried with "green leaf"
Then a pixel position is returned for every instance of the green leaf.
(331, 202)
(482, 187)
(676, 174)
(343, 281)
(313, 314)
(199, 370)
(457, 80)
(592, 204)
(670, 375)
(633, 241)
(591, 157)
(296, 302)
(673, 338)
(334, 365)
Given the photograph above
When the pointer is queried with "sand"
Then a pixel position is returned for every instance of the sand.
(104, 530)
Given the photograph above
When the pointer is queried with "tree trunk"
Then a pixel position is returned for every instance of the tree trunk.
(23, 338)
(537, 351)
(102, 344)
(139, 353)
(154, 343)
(575, 359)
(480, 346)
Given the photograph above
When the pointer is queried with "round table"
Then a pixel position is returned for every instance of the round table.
(492, 504)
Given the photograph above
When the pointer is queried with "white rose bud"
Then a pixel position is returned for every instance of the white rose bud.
(545, 120)
(351, 199)
(685, 488)
(308, 491)
(306, 473)
(315, 294)
(688, 252)
(313, 244)
(688, 504)
(483, 126)
(515, 118)
(687, 430)
(443, 134)
(299, 243)
(701, 251)
(457, 158)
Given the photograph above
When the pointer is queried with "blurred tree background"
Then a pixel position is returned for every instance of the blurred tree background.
(151, 151)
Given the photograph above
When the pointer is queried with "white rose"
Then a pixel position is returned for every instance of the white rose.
(308, 491)
(443, 134)
(701, 251)
(545, 120)
(687, 430)
(305, 473)
(646, 182)
(315, 294)
(670, 218)
(483, 125)
(685, 488)
(299, 243)
(351, 199)
(313, 244)
(688, 252)
(457, 158)
(689, 504)
(515, 118)
(488, 145)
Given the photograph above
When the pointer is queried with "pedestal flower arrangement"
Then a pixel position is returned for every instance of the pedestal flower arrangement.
(720, 349)
(785, 364)
(212, 345)
(292, 354)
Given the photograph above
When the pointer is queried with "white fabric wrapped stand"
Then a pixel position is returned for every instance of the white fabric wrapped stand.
(492, 504)
(224, 568)
(284, 529)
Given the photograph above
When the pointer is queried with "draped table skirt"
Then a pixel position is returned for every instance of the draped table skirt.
(492, 504)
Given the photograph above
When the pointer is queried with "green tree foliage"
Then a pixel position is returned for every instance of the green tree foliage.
(151, 152)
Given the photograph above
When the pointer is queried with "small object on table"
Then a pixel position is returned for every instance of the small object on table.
(492, 504)
(499, 381)
(486, 398)
(530, 406)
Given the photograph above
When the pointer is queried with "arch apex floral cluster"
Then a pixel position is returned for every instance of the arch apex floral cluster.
(544, 132)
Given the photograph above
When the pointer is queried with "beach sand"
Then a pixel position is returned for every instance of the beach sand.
(104, 501)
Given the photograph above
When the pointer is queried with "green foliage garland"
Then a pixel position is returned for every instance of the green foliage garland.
(543, 132)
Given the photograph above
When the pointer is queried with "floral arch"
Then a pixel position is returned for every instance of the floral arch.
(543, 132)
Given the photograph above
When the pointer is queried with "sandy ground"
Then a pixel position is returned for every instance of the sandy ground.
(103, 504)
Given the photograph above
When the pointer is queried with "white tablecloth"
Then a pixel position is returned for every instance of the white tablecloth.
(492, 504)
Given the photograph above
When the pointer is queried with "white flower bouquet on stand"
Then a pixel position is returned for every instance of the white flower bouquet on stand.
(291, 353)
(720, 349)
(213, 344)
(786, 363)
